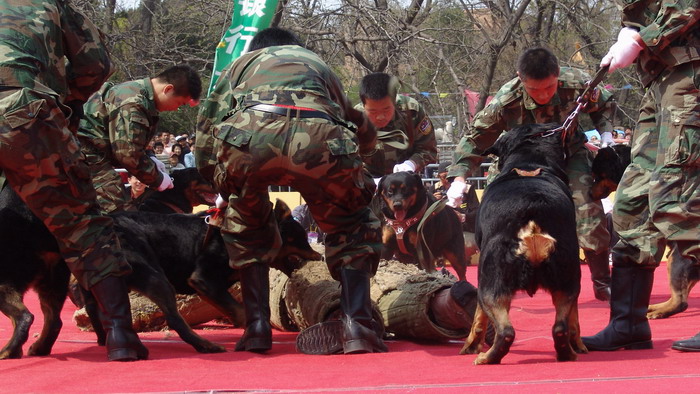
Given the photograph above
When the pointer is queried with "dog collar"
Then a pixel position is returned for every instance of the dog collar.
(401, 226)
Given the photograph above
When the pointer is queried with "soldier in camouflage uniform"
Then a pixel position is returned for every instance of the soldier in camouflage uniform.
(121, 119)
(657, 203)
(406, 139)
(542, 93)
(52, 58)
(278, 116)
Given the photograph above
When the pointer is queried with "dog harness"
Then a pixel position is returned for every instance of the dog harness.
(401, 226)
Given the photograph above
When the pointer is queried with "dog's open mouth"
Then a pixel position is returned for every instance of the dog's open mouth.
(400, 214)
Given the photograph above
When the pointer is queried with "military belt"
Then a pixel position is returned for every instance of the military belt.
(290, 111)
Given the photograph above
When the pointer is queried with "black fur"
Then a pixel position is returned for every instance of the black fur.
(166, 253)
(509, 203)
(190, 190)
(608, 166)
(402, 195)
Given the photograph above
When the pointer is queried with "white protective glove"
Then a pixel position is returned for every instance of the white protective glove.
(407, 165)
(167, 182)
(455, 193)
(220, 202)
(625, 51)
(376, 181)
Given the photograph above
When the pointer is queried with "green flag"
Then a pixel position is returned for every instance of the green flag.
(249, 17)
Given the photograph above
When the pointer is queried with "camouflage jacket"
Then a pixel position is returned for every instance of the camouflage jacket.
(411, 119)
(31, 57)
(279, 75)
(670, 30)
(118, 124)
(512, 107)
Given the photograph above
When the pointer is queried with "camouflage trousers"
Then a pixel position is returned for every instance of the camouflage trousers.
(42, 162)
(658, 199)
(111, 193)
(320, 160)
(591, 224)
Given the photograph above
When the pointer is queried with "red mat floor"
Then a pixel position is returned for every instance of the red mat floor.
(77, 364)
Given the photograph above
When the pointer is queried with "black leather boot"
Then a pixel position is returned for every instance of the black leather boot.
(359, 328)
(356, 332)
(599, 264)
(123, 344)
(628, 327)
(255, 289)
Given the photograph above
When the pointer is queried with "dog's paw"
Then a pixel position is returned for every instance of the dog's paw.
(473, 347)
(38, 350)
(483, 358)
(665, 309)
(567, 355)
(210, 347)
(10, 353)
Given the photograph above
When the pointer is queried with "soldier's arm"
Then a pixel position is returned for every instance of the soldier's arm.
(89, 64)
(675, 19)
(489, 123)
(129, 135)
(366, 132)
(424, 142)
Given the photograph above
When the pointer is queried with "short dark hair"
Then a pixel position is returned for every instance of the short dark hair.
(185, 80)
(538, 63)
(158, 143)
(271, 37)
(376, 86)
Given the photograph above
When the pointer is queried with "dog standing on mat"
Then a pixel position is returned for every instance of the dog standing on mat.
(526, 230)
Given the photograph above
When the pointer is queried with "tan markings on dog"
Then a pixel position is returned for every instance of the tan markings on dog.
(680, 287)
(527, 173)
(387, 234)
(565, 327)
(575, 331)
(474, 343)
(535, 245)
(497, 310)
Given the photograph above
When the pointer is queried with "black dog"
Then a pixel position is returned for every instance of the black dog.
(608, 165)
(419, 229)
(167, 253)
(526, 230)
(190, 190)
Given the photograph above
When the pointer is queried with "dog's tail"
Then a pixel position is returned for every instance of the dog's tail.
(535, 245)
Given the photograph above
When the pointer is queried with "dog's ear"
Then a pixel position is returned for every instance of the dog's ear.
(419, 181)
(493, 149)
(281, 210)
(380, 186)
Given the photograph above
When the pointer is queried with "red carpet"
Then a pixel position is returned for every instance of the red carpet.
(79, 365)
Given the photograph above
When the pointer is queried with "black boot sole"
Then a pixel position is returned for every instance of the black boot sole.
(685, 348)
(643, 345)
(322, 338)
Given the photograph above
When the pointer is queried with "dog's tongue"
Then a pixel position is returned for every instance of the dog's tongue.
(400, 215)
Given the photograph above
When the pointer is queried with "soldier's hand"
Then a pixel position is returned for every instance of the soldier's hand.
(407, 165)
(625, 51)
(455, 193)
(221, 203)
(167, 183)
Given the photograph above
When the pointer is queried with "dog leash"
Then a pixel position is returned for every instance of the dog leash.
(567, 127)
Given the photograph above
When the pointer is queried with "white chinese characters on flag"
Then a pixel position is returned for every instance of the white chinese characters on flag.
(249, 17)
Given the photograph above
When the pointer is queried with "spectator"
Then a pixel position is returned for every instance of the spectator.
(175, 164)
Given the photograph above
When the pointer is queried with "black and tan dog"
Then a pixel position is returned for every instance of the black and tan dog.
(608, 166)
(526, 230)
(168, 254)
(418, 229)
